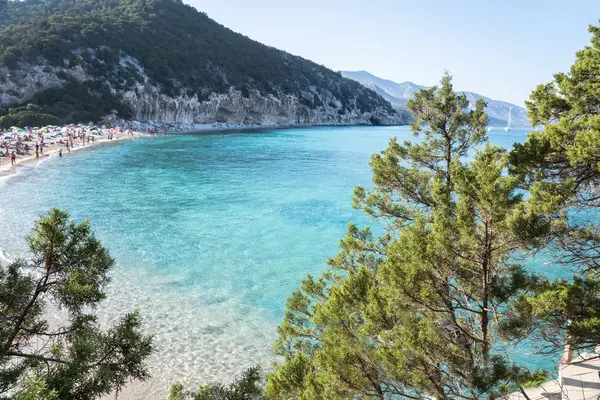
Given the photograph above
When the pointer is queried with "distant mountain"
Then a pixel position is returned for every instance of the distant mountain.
(399, 93)
(163, 61)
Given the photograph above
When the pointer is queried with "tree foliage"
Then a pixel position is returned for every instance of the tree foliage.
(73, 358)
(418, 311)
(27, 116)
(246, 387)
(559, 166)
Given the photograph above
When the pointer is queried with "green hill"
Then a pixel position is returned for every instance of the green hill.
(163, 60)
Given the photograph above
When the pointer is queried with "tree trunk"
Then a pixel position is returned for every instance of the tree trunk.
(485, 298)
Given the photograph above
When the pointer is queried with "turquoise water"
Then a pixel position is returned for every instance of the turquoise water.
(211, 232)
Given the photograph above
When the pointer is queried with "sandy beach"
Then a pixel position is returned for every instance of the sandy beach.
(52, 148)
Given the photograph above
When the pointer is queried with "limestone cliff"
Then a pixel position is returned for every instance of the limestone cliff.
(149, 104)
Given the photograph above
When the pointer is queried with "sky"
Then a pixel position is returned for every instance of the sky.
(498, 48)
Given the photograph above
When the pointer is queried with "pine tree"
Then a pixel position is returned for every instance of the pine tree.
(246, 387)
(417, 311)
(559, 166)
(73, 359)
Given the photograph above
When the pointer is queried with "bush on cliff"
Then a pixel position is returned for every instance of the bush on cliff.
(28, 118)
(246, 387)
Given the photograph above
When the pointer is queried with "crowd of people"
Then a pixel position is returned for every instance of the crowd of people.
(26, 142)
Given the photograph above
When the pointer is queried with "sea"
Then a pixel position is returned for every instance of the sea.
(211, 232)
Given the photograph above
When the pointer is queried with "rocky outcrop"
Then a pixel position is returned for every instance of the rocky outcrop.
(149, 104)
(17, 86)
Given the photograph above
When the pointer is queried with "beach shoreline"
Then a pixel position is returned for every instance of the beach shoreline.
(7, 169)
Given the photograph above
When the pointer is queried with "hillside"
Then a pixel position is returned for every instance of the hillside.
(399, 93)
(163, 61)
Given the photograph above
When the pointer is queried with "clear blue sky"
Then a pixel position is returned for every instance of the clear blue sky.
(498, 48)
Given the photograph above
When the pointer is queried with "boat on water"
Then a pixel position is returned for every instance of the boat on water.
(509, 115)
(489, 129)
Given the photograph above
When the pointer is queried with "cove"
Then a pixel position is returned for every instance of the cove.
(211, 232)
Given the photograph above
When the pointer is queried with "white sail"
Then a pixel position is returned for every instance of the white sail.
(509, 115)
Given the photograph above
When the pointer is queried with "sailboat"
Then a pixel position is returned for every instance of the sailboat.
(508, 126)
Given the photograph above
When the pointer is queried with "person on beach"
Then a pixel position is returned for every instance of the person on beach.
(13, 158)
(60, 153)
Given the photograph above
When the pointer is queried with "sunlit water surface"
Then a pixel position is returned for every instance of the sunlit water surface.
(211, 232)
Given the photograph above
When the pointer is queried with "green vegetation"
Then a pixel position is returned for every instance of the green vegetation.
(417, 312)
(76, 359)
(247, 387)
(180, 49)
(29, 115)
(425, 309)
(559, 166)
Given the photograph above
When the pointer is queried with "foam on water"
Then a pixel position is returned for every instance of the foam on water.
(211, 232)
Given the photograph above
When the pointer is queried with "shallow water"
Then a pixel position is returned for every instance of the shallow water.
(211, 232)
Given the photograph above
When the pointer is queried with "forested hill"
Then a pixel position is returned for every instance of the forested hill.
(162, 60)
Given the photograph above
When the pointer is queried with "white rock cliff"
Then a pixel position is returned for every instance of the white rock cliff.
(149, 104)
